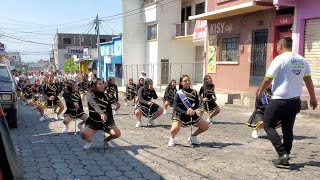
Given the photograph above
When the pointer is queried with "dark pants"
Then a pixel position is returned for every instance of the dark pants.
(286, 111)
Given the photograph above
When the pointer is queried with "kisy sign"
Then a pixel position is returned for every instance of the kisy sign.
(75, 50)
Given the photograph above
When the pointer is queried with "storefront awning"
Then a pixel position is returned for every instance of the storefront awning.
(243, 8)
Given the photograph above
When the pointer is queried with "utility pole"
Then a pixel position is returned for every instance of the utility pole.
(97, 21)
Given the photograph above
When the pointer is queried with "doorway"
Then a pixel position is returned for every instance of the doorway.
(258, 56)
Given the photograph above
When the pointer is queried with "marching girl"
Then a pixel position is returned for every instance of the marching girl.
(185, 103)
(140, 84)
(145, 106)
(130, 92)
(169, 94)
(112, 91)
(20, 85)
(74, 106)
(208, 99)
(27, 92)
(255, 121)
(50, 95)
(36, 93)
(100, 115)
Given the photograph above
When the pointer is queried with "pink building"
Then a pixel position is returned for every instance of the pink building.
(306, 32)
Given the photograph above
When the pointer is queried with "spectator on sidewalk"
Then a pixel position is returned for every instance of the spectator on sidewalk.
(287, 73)
(143, 75)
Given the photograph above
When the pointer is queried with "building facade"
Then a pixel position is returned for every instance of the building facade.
(111, 54)
(84, 42)
(240, 42)
(159, 41)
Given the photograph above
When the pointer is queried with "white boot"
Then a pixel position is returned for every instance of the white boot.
(65, 129)
(164, 111)
(138, 124)
(255, 134)
(171, 142)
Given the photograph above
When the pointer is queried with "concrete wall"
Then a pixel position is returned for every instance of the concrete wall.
(134, 38)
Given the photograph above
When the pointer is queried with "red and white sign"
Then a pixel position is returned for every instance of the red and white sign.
(200, 32)
(283, 21)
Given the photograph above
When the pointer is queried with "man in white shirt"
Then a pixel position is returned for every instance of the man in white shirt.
(287, 73)
(90, 74)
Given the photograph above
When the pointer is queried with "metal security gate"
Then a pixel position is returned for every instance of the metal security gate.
(312, 48)
(258, 56)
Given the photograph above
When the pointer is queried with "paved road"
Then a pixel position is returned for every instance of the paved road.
(227, 152)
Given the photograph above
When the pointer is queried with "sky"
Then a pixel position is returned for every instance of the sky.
(38, 21)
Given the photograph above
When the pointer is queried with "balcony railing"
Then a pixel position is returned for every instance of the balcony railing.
(146, 2)
(184, 29)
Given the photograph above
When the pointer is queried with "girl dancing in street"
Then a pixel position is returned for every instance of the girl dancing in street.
(130, 92)
(145, 106)
(74, 106)
(169, 94)
(100, 115)
(50, 94)
(112, 91)
(208, 99)
(185, 103)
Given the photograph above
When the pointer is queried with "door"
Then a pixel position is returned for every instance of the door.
(198, 68)
(258, 56)
(164, 71)
(312, 48)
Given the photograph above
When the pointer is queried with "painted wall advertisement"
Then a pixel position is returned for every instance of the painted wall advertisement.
(212, 54)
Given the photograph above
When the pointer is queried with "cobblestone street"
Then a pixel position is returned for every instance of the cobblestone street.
(227, 151)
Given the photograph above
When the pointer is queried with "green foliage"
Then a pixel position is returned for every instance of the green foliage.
(70, 66)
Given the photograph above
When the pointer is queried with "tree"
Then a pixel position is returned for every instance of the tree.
(70, 66)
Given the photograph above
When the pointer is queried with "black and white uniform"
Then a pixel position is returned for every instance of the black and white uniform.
(211, 105)
(27, 91)
(20, 85)
(145, 95)
(112, 91)
(130, 91)
(255, 119)
(180, 111)
(84, 87)
(169, 94)
(51, 90)
(98, 104)
(37, 90)
(71, 98)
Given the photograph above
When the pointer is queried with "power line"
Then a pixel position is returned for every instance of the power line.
(44, 25)
(141, 10)
(28, 41)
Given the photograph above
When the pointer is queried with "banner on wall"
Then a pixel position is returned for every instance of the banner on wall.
(212, 54)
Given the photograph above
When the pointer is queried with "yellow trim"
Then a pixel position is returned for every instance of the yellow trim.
(272, 77)
(152, 40)
(306, 75)
(151, 4)
(183, 37)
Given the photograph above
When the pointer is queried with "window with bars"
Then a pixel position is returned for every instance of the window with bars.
(153, 32)
(229, 49)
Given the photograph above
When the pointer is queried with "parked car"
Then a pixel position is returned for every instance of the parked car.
(10, 167)
(8, 96)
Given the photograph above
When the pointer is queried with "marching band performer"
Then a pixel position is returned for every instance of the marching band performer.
(169, 94)
(100, 115)
(145, 106)
(50, 94)
(185, 103)
(208, 99)
(74, 106)
(130, 92)
(112, 91)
